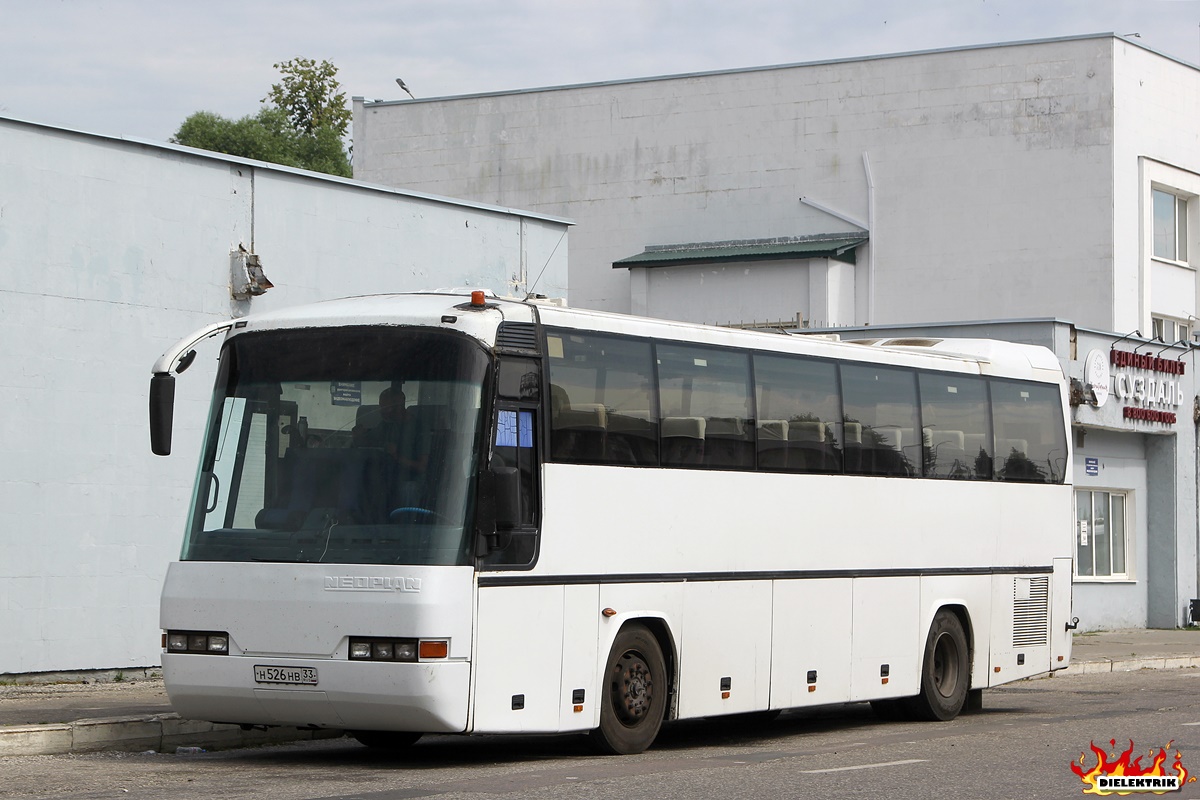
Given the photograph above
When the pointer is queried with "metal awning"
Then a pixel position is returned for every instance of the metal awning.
(837, 246)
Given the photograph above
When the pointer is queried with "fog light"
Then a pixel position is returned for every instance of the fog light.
(218, 644)
(406, 651)
(383, 651)
(198, 642)
(177, 641)
(360, 649)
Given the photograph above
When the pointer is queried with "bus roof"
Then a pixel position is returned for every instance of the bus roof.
(451, 309)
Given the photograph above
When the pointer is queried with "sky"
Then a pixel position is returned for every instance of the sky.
(138, 68)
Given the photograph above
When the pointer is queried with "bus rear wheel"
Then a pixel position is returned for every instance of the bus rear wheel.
(386, 740)
(945, 671)
(633, 697)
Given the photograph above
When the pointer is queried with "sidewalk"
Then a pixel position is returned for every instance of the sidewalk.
(133, 714)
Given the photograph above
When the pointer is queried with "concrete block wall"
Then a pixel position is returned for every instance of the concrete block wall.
(112, 250)
(992, 165)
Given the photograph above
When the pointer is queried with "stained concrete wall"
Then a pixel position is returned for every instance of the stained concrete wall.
(110, 251)
(992, 170)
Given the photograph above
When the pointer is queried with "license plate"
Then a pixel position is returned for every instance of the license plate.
(293, 675)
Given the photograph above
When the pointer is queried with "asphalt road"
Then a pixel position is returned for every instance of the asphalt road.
(1020, 746)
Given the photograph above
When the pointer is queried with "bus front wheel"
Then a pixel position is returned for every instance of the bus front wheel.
(945, 671)
(633, 697)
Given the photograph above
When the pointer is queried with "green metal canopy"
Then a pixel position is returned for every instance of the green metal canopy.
(837, 246)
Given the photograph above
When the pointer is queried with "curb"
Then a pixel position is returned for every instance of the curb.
(1130, 664)
(157, 732)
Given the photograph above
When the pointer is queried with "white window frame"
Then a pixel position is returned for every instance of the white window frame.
(1170, 329)
(1179, 237)
(1127, 534)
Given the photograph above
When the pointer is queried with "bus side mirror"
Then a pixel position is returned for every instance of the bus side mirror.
(162, 412)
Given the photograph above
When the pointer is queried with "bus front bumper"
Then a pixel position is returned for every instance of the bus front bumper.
(426, 697)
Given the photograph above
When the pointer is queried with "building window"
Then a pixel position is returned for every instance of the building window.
(1100, 540)
(1170, 226)
(1169, 330)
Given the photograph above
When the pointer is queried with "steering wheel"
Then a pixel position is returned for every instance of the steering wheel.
(414, 513)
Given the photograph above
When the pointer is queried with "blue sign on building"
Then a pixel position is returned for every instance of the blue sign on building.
(345, 393)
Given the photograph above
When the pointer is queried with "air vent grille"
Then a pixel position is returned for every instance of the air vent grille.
(517, 336)
(1031, 611)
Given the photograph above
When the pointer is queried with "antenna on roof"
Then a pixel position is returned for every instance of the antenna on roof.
(529, 292)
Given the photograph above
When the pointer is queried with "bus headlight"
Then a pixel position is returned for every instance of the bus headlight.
(381, 649)
(209, 642)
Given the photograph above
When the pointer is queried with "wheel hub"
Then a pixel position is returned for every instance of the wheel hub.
(945, 666)
(633, 688)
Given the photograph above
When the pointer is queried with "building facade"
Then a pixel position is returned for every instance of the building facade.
(110, 251)
(1047, 179)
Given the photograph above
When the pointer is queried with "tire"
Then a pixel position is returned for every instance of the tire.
(386, 740)
(633, 694)
(945, 671)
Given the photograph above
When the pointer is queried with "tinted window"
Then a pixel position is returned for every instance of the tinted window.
(799, 414)
(602, 408)
(956, 427)
(706, 417)
(1031, 444)
(341, 445)
(881, 434)
(515, 463)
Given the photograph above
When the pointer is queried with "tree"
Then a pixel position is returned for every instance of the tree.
(303, 127)
(309, 95)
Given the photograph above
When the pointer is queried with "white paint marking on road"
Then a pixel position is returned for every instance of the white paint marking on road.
(866, 766)
(1191, 723)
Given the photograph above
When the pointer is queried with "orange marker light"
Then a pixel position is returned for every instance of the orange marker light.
(477, 299)
(608, 612)
(435, 649)
(724, 695)
(578, 709)
(812, 688)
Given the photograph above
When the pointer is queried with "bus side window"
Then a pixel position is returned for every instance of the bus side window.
(707, 418)
(956, 426)
(1031, 445)
(602, 405)
(799, 414)
(880, 408)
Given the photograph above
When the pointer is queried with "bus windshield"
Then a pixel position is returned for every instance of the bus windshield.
(349, 445)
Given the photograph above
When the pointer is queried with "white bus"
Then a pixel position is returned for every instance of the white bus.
(429, 513)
